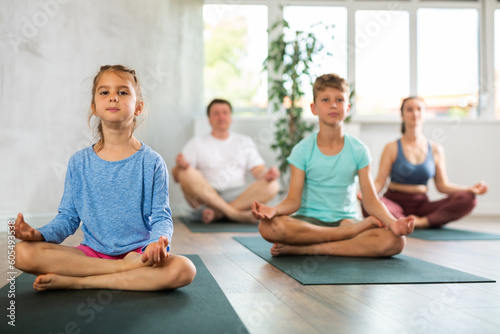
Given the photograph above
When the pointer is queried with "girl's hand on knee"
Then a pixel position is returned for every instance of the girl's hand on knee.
(23, 231)
(156, 252)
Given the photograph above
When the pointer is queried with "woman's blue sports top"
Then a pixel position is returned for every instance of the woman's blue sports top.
(407, 173)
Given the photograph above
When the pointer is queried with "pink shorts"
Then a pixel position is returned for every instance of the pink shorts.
(92, 253)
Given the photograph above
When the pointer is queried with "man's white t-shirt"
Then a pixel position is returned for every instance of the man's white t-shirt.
(223, 163)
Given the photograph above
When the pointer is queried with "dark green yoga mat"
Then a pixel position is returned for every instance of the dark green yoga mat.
(337, 270)
(450, 234)
(218, 226)
(200, 307)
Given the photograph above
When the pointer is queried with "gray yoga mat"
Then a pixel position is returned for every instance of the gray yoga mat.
(452, 234)
(200, 307)
(337, 270)
(218, 226)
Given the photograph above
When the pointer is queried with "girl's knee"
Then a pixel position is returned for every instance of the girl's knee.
(183, 270)
(24, 252)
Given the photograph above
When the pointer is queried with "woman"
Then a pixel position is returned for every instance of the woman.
(410, 162)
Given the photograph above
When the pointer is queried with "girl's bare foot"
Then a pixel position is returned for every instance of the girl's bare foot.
(420, 222)
(134, 260)
(55, 282)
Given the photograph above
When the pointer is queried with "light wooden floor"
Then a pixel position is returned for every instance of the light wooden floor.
(269, 301)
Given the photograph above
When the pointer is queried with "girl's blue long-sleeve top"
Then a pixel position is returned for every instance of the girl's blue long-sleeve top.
(123, 205)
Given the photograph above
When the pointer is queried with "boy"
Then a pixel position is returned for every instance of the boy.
(324, 169)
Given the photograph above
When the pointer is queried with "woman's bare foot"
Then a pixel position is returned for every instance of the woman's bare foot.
(209, 215)
(420, 222)
(55, 282)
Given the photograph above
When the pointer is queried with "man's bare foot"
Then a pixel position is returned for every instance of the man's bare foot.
(420, 222)
(246, 217)
(209, 215)
(55, 282)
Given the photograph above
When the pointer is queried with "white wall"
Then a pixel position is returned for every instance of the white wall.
(51, 49)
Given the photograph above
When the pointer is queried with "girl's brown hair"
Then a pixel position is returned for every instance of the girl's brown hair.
(121, 71)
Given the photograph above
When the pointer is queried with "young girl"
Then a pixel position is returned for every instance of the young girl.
(118, 189)
(410, 162)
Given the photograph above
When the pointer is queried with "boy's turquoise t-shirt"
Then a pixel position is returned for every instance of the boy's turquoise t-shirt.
(329, 192)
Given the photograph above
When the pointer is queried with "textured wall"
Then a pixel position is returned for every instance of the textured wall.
(51, 49)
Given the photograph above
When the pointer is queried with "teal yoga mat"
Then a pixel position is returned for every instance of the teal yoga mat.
(336, 270)
(200, 307)
(452, 234)
(218, 226)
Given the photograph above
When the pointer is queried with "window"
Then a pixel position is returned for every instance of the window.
(235, 46)
(382, 61)
(390, 50)
(315, 19)
(447, 61)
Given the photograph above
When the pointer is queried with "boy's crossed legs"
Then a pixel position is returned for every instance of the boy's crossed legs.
(63, 267)
(363, 239)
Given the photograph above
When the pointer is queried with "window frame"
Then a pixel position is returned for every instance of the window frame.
(485, 8)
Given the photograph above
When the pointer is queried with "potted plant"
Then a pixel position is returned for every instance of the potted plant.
(288, 63)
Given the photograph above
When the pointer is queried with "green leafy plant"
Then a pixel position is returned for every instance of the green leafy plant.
(289, 60)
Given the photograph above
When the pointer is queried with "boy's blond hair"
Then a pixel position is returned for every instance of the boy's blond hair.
(331, 80)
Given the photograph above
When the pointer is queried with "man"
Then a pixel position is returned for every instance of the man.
(211, 170)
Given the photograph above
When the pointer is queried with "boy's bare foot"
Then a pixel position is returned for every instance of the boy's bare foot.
(420, 222)
(55, 282)
(373, 222)
(282, 249)
(347, 222)
(366, 224)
